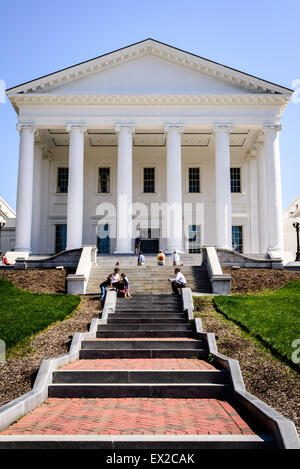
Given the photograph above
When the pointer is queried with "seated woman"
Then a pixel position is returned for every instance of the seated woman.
(116, 280)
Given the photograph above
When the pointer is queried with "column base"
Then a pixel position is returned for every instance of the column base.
(171, 251)
(27, 250)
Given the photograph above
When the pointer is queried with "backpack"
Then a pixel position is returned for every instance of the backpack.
(121, 294)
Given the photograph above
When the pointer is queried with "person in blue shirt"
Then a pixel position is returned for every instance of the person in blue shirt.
(141, 259)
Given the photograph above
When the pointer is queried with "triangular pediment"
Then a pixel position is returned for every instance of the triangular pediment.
(148, 75)
(148, 68)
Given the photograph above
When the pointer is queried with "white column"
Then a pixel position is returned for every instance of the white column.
(124, 189)
(37, 197)
(25, 188)
(75, 186)
(174, 187)
(273, 185)
(223, 190)
(253, 202)
(261, 196)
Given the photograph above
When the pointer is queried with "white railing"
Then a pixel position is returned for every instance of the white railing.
(77, 283)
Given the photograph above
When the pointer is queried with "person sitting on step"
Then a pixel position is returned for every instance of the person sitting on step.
(161, 258)
(103, 287)
(177, 282)
(116, 279)
(141, 259)
(176, 258)
(126, 285)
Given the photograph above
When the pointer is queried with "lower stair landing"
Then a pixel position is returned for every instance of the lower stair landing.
(132, 416)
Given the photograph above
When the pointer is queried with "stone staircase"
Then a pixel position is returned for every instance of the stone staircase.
(149, 350)
(150, 278)
(145, 381)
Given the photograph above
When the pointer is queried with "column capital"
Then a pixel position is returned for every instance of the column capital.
(73, 126)
(124, 127)
(250, 155)
(222, 127)
(174, 127)
(268, 127)
(26, 125)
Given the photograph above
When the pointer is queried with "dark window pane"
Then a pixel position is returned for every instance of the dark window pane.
(104, 180)
(237, 238)
(149, 180)
(60, 238)
(62, 180)
(235, 179)
(194, 179)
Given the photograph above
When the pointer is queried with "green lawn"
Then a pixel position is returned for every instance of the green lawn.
(272, 317)
(23, 313)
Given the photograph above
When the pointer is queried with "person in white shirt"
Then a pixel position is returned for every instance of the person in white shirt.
(176, 258)
(177, 282)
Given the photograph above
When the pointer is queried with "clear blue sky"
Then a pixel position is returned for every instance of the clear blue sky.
(258, 37)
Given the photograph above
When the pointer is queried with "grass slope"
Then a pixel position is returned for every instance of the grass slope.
(23, 313)
(272, 317)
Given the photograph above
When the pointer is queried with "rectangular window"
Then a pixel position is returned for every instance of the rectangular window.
(235, 179)
(104, 180)
(60, 238)
(237, 238)
(149, 180)
(194, 239)
(194, 180)
(62, 180)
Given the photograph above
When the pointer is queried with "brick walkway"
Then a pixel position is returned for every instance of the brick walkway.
(134, 416)
(140, 364)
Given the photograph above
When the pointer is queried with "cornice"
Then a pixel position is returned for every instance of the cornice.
(43, 98)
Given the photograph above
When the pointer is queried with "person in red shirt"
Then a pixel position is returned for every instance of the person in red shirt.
(5, 260)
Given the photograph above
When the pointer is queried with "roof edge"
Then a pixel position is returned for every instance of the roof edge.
(289, 90)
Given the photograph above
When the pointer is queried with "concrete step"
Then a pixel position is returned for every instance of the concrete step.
(140, 376)
(95, 354)
(145, 333)
(141, 344)
(139, 308)
(112, 319)
(142, 390)
(148, 314)
(137, 442)
(136, 327)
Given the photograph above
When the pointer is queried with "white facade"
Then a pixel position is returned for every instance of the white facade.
(149, 106)
(8, 223)
(290, 216)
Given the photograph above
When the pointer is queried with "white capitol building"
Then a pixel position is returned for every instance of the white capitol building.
(149, 124)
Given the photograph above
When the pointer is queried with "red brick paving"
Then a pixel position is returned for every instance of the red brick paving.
(140, 364)
(131, 416)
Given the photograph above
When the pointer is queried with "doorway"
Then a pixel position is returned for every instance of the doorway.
(103, 240)
(149, 240)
